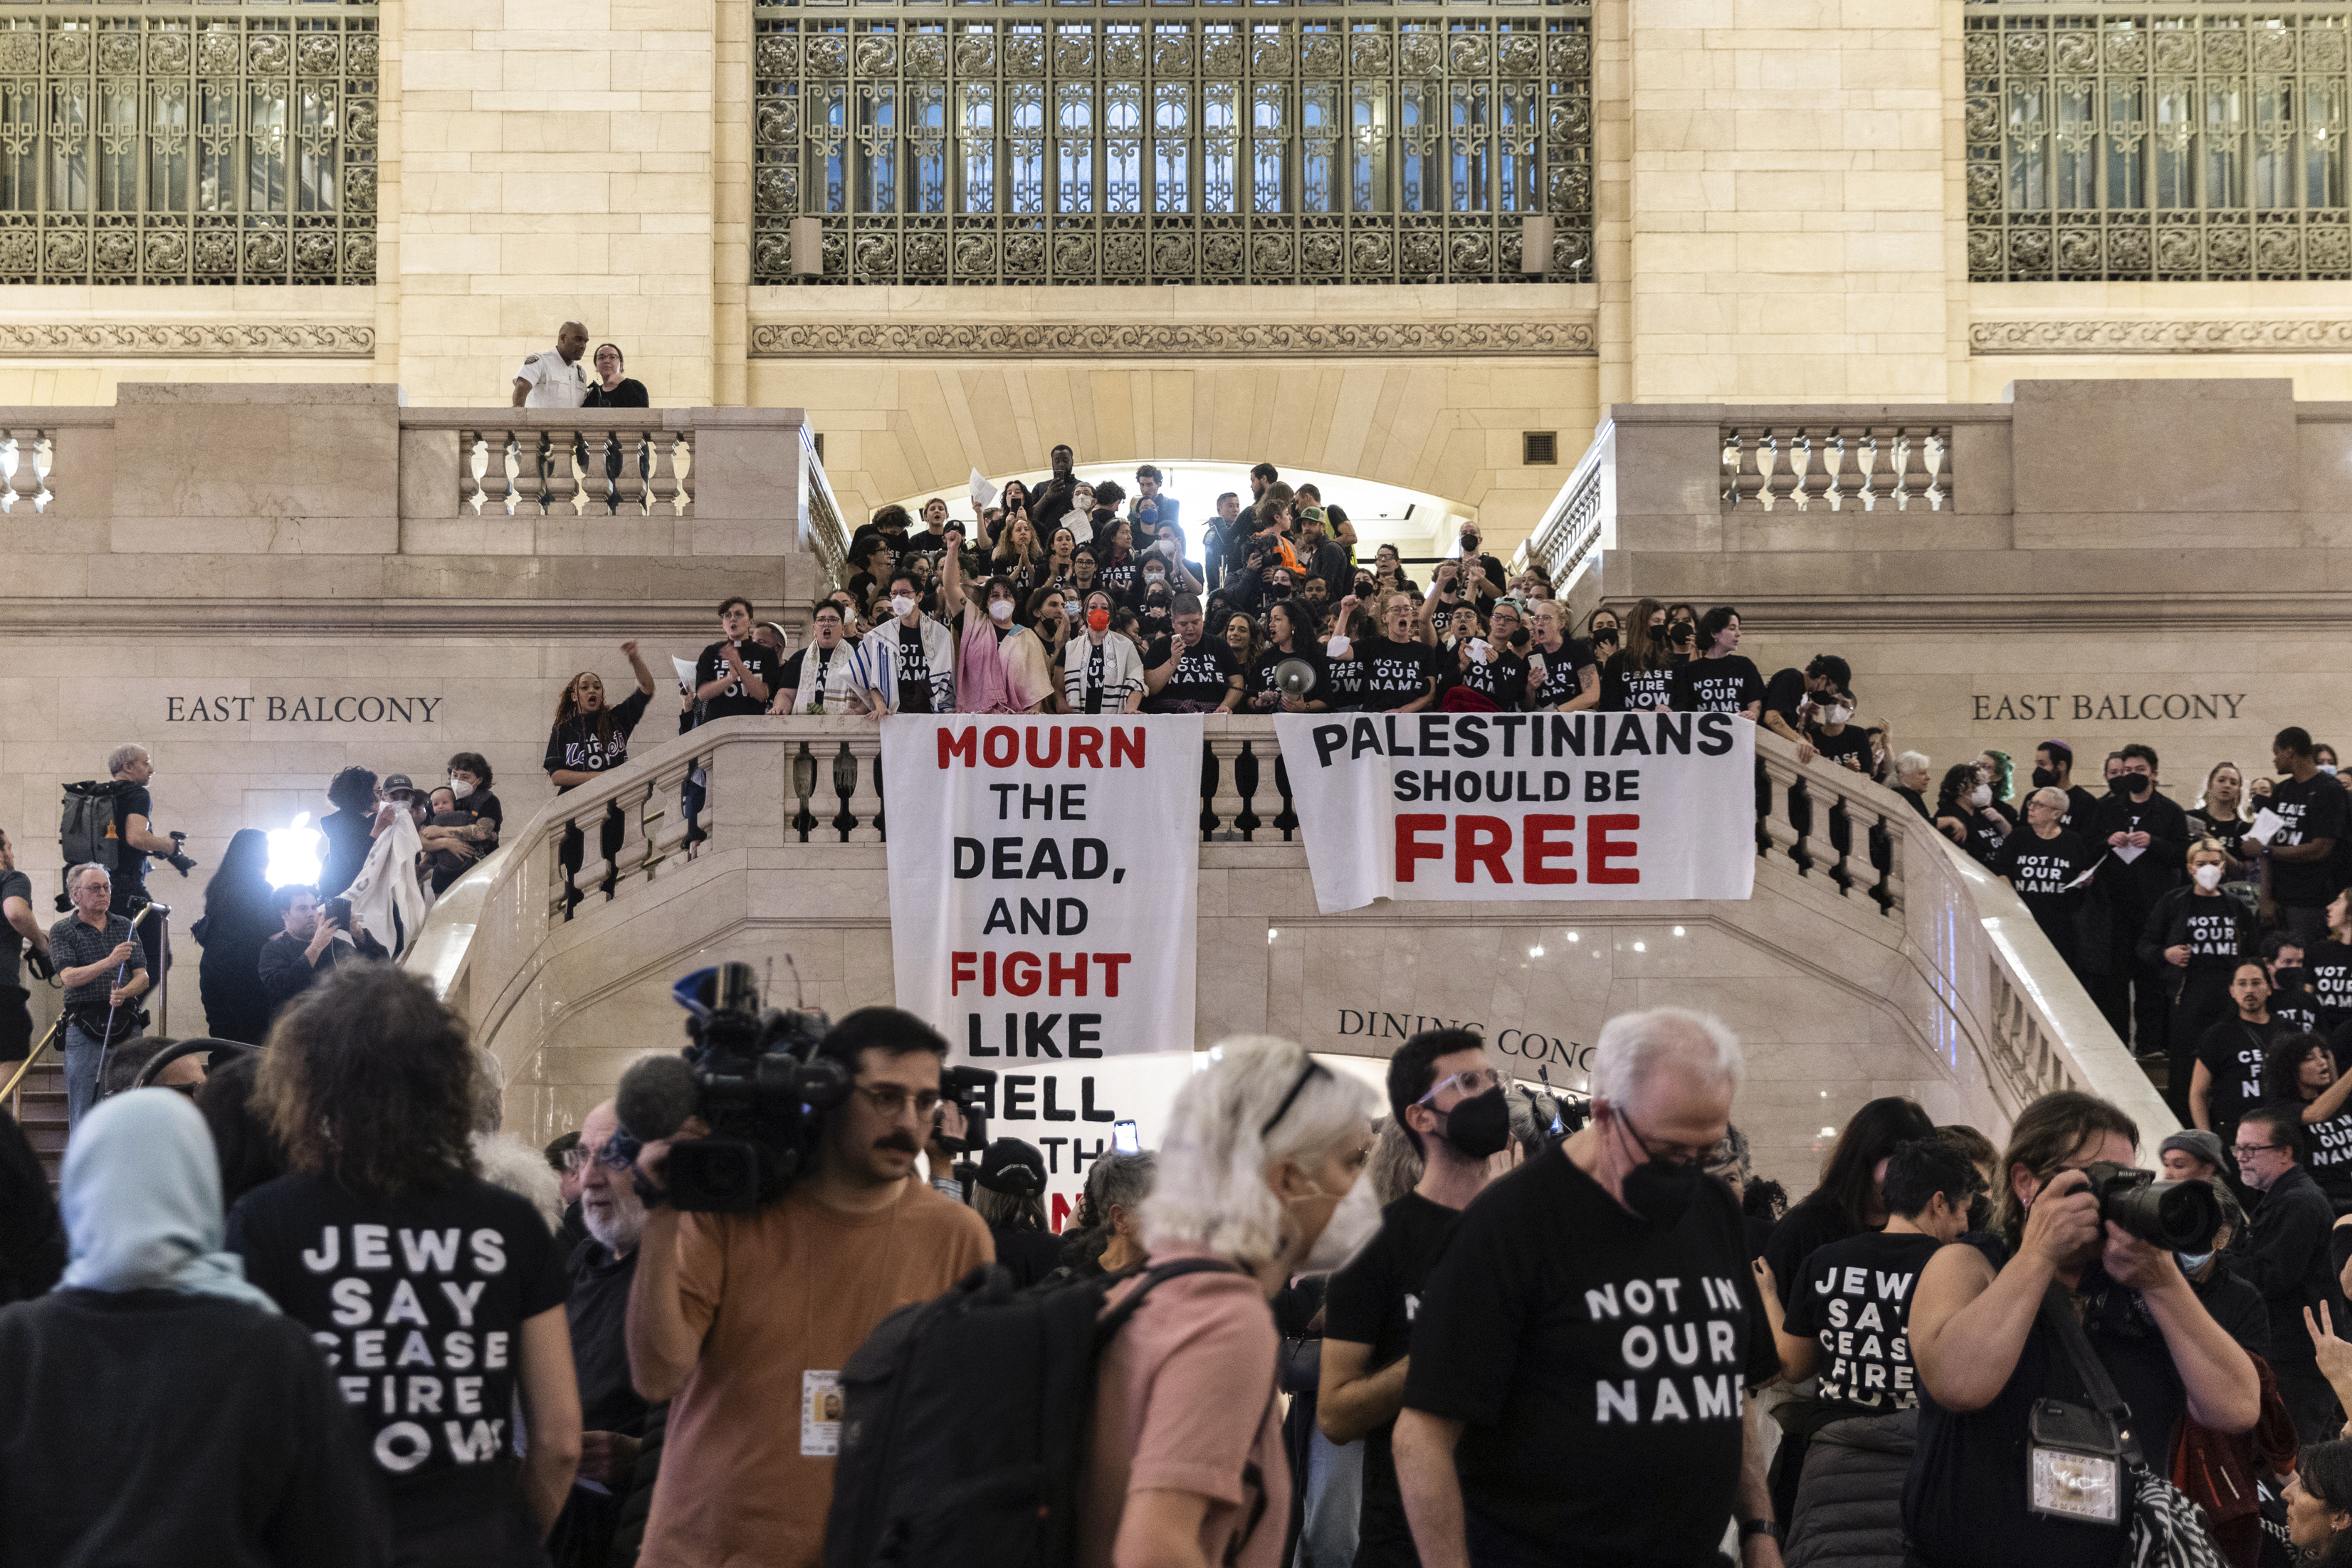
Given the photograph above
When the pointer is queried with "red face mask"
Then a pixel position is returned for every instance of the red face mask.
(1098, 620)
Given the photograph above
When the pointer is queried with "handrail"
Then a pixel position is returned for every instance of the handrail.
(33, 1056)
(1992, 996)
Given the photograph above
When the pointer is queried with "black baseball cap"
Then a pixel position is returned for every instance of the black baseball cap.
(396, 786)
(1011, 1165)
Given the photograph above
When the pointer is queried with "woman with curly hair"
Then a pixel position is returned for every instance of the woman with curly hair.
(437, 1298)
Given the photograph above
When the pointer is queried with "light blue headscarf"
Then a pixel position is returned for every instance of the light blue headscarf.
(142, 1202)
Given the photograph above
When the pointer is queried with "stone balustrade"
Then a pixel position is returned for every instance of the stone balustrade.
(1837, 467)
(1847, 872)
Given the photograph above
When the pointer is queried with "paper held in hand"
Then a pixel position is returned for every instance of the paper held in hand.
(2266, 828)
(982, 492)
(685, 668)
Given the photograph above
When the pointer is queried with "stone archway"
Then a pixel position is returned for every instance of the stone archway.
(917, 424)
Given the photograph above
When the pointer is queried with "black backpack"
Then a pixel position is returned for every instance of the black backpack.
(85, 827)
(965, 1419)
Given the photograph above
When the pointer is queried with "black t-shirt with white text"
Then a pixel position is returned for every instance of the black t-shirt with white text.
(914, 668)
(2040, 869)
(1851, 741)
(417, 1304)
(1717, 685)
(2327, 973)
(2231, 1052)
(1393, 674)
(2295, 1010)
(1598, 1362)
(1854, 1301)
(2210, 926)
(582, 745)
(1625, 689)
(1502, 680)
(2327, 1153)
(1203, 672)
(2312, 809)
(733, 701)
(1784, 693)
(1563, 676)
(1374, 1302)
(1258, 680)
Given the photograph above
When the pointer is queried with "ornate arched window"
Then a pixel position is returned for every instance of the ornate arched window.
(1299, 141)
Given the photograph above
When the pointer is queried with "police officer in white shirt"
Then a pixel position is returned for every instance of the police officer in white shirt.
(555, 379)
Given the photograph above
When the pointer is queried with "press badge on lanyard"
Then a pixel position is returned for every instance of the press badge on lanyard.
(2074, 1464)
(820, 1414)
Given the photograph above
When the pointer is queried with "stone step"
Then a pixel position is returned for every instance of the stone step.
(40, 1108)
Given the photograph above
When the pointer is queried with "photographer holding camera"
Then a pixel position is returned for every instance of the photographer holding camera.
(317, 937)
(2017, 1461)
(743, 1319)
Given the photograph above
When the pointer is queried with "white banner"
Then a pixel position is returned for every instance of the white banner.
(1523, 806)
(1044, 874)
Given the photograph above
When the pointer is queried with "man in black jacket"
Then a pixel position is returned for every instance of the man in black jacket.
(312, 944)
(2145, 837)
(2286, 1259)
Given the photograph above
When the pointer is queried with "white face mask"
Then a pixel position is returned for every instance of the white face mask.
(1352, 1223)
(1336, 647)
(1839, 715)
(460, 788)
(2328, 769)
(1980, 797)
(2209, 876)
(900, 606)
(1155, 578)
(1000, 610)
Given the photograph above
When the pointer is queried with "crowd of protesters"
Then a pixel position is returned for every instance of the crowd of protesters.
(305, 1319)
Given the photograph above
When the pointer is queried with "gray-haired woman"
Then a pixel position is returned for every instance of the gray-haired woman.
(1258, 1181)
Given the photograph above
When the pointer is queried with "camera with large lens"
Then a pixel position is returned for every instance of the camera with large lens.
(754, 1077)
(2178, 1216)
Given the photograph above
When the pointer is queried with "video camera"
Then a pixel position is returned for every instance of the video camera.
(755, 1077)
(752, 1074)
(2178, 1216)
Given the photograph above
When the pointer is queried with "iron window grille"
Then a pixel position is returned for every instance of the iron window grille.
(1101, 141)
(179, 143)
(2131, 140)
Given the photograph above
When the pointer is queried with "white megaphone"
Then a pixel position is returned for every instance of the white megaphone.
(1294, 677)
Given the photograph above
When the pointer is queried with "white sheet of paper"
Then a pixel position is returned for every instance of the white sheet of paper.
(2085, 877)
(685, 668)
(2126, 854)
(982, 492)
(2266, 824)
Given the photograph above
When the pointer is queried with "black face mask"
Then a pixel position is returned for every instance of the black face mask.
(2135, 783)
(2043, 778)
(2289, 978)
(1520, 638)
(1479, 1126)
(1660, 1191)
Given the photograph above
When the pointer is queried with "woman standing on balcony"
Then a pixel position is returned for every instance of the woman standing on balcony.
(611, 389)
(1965, 814)
(1640, 677)
(2218, 814)
(1018, 559)
(1000, 668)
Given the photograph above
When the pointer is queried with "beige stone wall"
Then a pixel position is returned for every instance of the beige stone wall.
(1785, 200)
(556, 161)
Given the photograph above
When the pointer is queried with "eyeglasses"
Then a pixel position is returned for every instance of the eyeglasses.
(1305, 1073)
(578, 1158)
(2243, 1150)
(1673, 1154)
(891, 1100)
(1475, 1081)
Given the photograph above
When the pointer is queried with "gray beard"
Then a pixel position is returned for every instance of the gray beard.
(621, 1233)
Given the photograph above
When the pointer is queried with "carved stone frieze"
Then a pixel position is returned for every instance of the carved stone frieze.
(187, 340)
(1385, 340)
(2146, 336)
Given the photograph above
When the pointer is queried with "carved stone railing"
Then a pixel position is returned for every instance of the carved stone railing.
(1573, 524)
(1847, 860)
(1834, 466)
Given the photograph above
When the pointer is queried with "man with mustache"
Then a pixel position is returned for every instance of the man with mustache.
(744, 1320)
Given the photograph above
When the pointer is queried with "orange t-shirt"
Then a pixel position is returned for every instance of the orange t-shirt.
(776, 1295)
